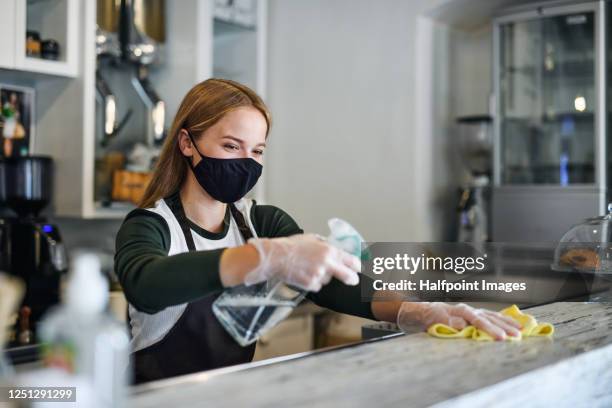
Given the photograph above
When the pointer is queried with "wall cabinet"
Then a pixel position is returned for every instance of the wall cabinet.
(44, 20)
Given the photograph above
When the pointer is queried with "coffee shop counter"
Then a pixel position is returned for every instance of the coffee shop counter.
(574, 368)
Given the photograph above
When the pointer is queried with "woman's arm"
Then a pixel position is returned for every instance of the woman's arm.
(356, 300)
(236, 262)
(272, 222)
(386, 310)
(410, 314)
(152, 280)
(342, 298)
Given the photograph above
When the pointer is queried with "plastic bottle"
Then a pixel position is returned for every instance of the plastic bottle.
(247, 312)
(81, 338)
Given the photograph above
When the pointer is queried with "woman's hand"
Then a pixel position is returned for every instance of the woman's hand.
(456, 316)
(304, 260)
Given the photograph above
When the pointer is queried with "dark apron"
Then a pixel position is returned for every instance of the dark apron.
(197, 341)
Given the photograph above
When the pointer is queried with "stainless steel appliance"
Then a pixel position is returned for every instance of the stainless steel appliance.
(141, 50)
(549, 165)
(473, 211)
(475, 146)
(32, 248)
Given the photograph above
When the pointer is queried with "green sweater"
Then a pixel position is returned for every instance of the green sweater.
(152, 280)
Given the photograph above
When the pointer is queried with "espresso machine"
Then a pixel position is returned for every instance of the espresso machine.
(31, 248)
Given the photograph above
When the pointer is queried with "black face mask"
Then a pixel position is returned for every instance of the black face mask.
(226, 180)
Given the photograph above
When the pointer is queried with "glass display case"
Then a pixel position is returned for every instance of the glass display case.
(587, 247)
(547, 100)
(549, 157)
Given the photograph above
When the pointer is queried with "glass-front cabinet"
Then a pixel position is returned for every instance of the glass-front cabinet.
(549, 85)
(548, 100)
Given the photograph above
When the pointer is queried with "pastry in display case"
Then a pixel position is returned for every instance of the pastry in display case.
(587, 247)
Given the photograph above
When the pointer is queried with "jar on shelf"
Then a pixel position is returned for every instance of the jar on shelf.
(33, 44)
(50, 49)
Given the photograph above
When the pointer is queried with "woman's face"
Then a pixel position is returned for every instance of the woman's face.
(240, 133)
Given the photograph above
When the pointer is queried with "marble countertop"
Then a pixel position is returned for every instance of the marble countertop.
(572, 369)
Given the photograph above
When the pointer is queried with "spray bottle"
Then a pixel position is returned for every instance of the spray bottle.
(82, 339)
(247, 312)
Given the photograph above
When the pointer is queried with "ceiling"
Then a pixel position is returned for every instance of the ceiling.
(471, 15)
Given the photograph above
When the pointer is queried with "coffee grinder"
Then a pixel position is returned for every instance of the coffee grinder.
(475, 147)
(30, 247)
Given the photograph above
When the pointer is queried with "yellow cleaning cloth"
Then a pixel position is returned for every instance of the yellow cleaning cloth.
(530, 327)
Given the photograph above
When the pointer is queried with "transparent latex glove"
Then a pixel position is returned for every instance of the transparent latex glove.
(303, 260)
(456, 316)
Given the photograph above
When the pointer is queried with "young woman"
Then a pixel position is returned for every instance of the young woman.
(195, 234)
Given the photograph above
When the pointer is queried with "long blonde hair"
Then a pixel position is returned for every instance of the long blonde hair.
(201, 108)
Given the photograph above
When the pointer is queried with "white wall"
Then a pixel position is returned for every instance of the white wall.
(341, 86)
(471, 81)
(442, 173)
